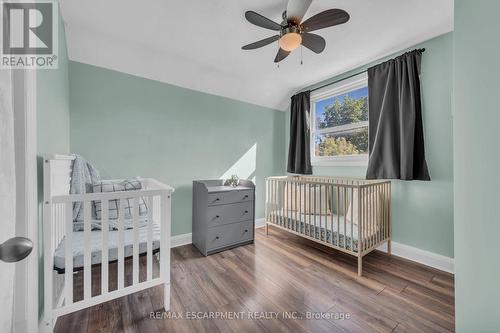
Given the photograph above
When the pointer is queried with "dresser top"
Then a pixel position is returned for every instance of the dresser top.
(217, 185)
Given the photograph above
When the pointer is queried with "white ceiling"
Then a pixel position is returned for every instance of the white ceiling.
(197, 43)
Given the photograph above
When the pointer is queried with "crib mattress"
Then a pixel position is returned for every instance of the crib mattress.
(323, 231)
(96, 245)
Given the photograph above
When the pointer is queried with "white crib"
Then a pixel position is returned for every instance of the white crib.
(103, 245)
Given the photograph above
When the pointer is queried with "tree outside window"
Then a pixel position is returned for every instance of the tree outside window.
(341, 123)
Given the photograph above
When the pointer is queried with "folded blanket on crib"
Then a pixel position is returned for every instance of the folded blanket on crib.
(113, 211)
(83, 175)
(85, 178)
(109, 186)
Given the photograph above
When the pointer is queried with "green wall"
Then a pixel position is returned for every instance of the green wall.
(53, 103)
(422, 212)
(52, 127)
(129, 126)
(477, 162)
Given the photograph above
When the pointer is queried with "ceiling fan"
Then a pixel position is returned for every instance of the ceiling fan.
(294, 32)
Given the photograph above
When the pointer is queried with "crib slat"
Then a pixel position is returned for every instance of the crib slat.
(384, 206)
(165, 239)
(374, 214)
(289, 204)
(368, 211)
(276, 208)
(319, 213)
(345, 218)
(370, 217)
(360, 219)
(295, 203)
(310, 208)
(314, 211)
(121, 213)
(330, 191)
(68, 255)
(135, 259)
(328, 194)
(375, 217)
(149, 263)
(278, 218)
(389, 217)
(105, 250)
(377, 201)
(338, 216)
(279, 202)
(382, 230)
(278, 188)
(266, 213)
(363, 219)
(367, 216)
(325, 201)
(374, 205)
(352, 216)
(373, 199)
(386, 222)
(87, 265)
(378, 213)
(272, 207)
(299, 207)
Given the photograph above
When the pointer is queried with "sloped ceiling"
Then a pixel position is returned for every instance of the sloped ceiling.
(196, 44)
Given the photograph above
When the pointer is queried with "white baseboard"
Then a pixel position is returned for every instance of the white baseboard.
(180, 240)
(431, 259)
(260, 223)
(427, 258)
(185, 239)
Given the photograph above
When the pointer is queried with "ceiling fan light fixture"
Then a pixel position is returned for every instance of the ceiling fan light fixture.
(290, 41)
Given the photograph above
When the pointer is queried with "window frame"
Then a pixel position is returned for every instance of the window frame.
(333, 90)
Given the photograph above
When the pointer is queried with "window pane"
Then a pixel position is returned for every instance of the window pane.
(348, 108)
(342, 144)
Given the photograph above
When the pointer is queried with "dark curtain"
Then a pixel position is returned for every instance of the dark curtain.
(396, 136)
(299, 158)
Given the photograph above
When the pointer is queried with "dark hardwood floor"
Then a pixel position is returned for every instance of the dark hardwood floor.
(278, 276)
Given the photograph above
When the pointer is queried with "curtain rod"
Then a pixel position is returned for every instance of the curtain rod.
(348, 77)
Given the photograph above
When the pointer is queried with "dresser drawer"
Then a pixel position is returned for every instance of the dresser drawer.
(226, 235)
(226, 214)
(222, 198)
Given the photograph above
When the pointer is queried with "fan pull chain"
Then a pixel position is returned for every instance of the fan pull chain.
(301, 48)
(278, 42)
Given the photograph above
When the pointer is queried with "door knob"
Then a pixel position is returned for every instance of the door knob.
(15, 249)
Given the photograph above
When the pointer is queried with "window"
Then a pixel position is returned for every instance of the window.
(339, 119)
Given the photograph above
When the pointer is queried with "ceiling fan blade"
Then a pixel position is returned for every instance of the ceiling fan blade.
(313, 42)
(296, 9)
(261, 43)
(261, 21)
(282, 54)
(325, 19)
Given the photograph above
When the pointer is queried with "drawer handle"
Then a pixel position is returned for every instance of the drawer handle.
(217, 216)
(216, 237)
(217, 199)
(246, 211)
(246, 230)
(246, 196)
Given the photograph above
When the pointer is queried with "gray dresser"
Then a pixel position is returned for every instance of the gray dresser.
(223, 216)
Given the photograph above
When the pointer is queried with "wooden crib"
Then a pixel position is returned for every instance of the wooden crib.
(349, 215)
(67, 251)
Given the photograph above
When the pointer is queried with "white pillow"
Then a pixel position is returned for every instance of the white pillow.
(374, 207)
(297, 198)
